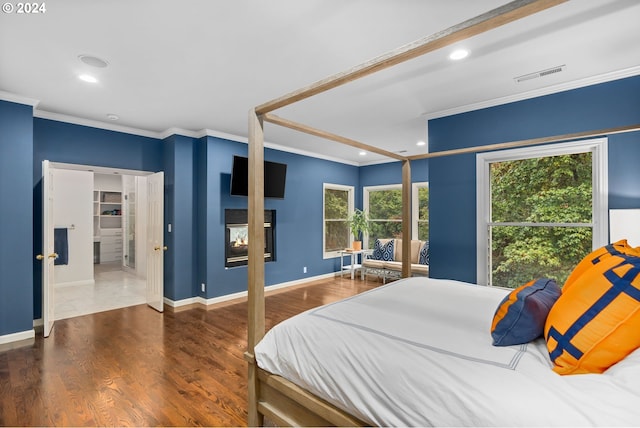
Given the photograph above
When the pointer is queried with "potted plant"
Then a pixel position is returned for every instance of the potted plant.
(359, 224)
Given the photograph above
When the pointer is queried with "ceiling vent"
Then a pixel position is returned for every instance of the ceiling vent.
(542, 73)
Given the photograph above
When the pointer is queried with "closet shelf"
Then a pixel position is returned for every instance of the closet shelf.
(107, 211)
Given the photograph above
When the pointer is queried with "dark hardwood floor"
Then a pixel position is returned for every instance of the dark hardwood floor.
(137, 367)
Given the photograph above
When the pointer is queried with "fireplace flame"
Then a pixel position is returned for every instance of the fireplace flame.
(241, 241)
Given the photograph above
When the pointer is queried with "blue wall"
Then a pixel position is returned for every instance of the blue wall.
(69, 143)
(298, 216)
(391, 173)
(624, 169)
(452, 179)
(17, 257)
(180, 263)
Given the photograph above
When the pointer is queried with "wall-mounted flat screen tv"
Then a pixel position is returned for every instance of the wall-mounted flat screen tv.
(275, 175)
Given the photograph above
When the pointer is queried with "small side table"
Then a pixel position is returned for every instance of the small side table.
(353, 266)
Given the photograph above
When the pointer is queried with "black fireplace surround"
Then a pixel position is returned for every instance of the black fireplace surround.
(237, 237)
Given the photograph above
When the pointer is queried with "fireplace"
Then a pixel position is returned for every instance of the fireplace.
(237, 237)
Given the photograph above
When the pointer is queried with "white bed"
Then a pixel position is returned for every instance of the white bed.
(418, 352)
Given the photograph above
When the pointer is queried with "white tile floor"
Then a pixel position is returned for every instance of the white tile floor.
(113, 289)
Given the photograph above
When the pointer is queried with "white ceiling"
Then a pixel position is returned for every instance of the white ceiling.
(200, 65)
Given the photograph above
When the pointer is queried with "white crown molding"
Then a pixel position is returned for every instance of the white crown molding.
(178, 131)
(224, 135)
(575, 84)
(18, 99)
(378, 162)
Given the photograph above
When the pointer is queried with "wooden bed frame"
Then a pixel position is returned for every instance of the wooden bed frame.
(281, 401)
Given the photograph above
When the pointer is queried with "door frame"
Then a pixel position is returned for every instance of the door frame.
(47, 255)
(48, 288)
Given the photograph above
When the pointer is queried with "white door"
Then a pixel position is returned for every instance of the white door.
(155, 241)
(48, 254)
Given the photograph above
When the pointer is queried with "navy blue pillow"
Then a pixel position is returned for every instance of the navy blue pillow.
(383, 252)
(424, 254)
(377, 250)
(521, 315)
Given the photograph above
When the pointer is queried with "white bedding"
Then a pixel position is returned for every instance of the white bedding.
(418, 352)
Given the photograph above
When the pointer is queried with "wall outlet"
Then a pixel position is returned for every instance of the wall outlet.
(304, 269)
(202, 287)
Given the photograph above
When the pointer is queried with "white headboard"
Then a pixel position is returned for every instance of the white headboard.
(625, 224)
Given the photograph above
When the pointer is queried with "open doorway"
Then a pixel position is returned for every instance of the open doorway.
(103, 212)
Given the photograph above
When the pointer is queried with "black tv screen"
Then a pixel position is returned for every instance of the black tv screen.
(274, 178)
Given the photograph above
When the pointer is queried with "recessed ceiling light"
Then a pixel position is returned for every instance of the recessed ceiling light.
(420, 143)
(93, 61)
(87, 78)
(112, 116)
(459, 54)
(363, 153)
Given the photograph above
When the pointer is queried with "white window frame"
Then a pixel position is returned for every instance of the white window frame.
(365, 202)
(351, 193)
(414, 204)
(415, 209)
(600, 177)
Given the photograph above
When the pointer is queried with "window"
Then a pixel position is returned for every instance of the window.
(540, 211)
(338, 205)
(420, 214)
(384, 206)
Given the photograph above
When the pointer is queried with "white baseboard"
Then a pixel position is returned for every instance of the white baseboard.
(72, 283)
(16, 337)
(184, 302)
(241, 294)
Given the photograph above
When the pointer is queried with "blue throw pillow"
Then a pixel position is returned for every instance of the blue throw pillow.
(383, 252)
(424, 254)
(521, 315)
(377, 250)
(387, 251)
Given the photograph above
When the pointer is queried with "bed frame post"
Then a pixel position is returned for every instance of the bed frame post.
(256, 322)
(406, 218)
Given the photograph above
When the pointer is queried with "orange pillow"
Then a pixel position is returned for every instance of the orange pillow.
(596, 321)
(617, 247)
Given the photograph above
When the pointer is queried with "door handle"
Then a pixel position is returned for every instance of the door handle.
(165, 248)
(53, 255)
(39, 257)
